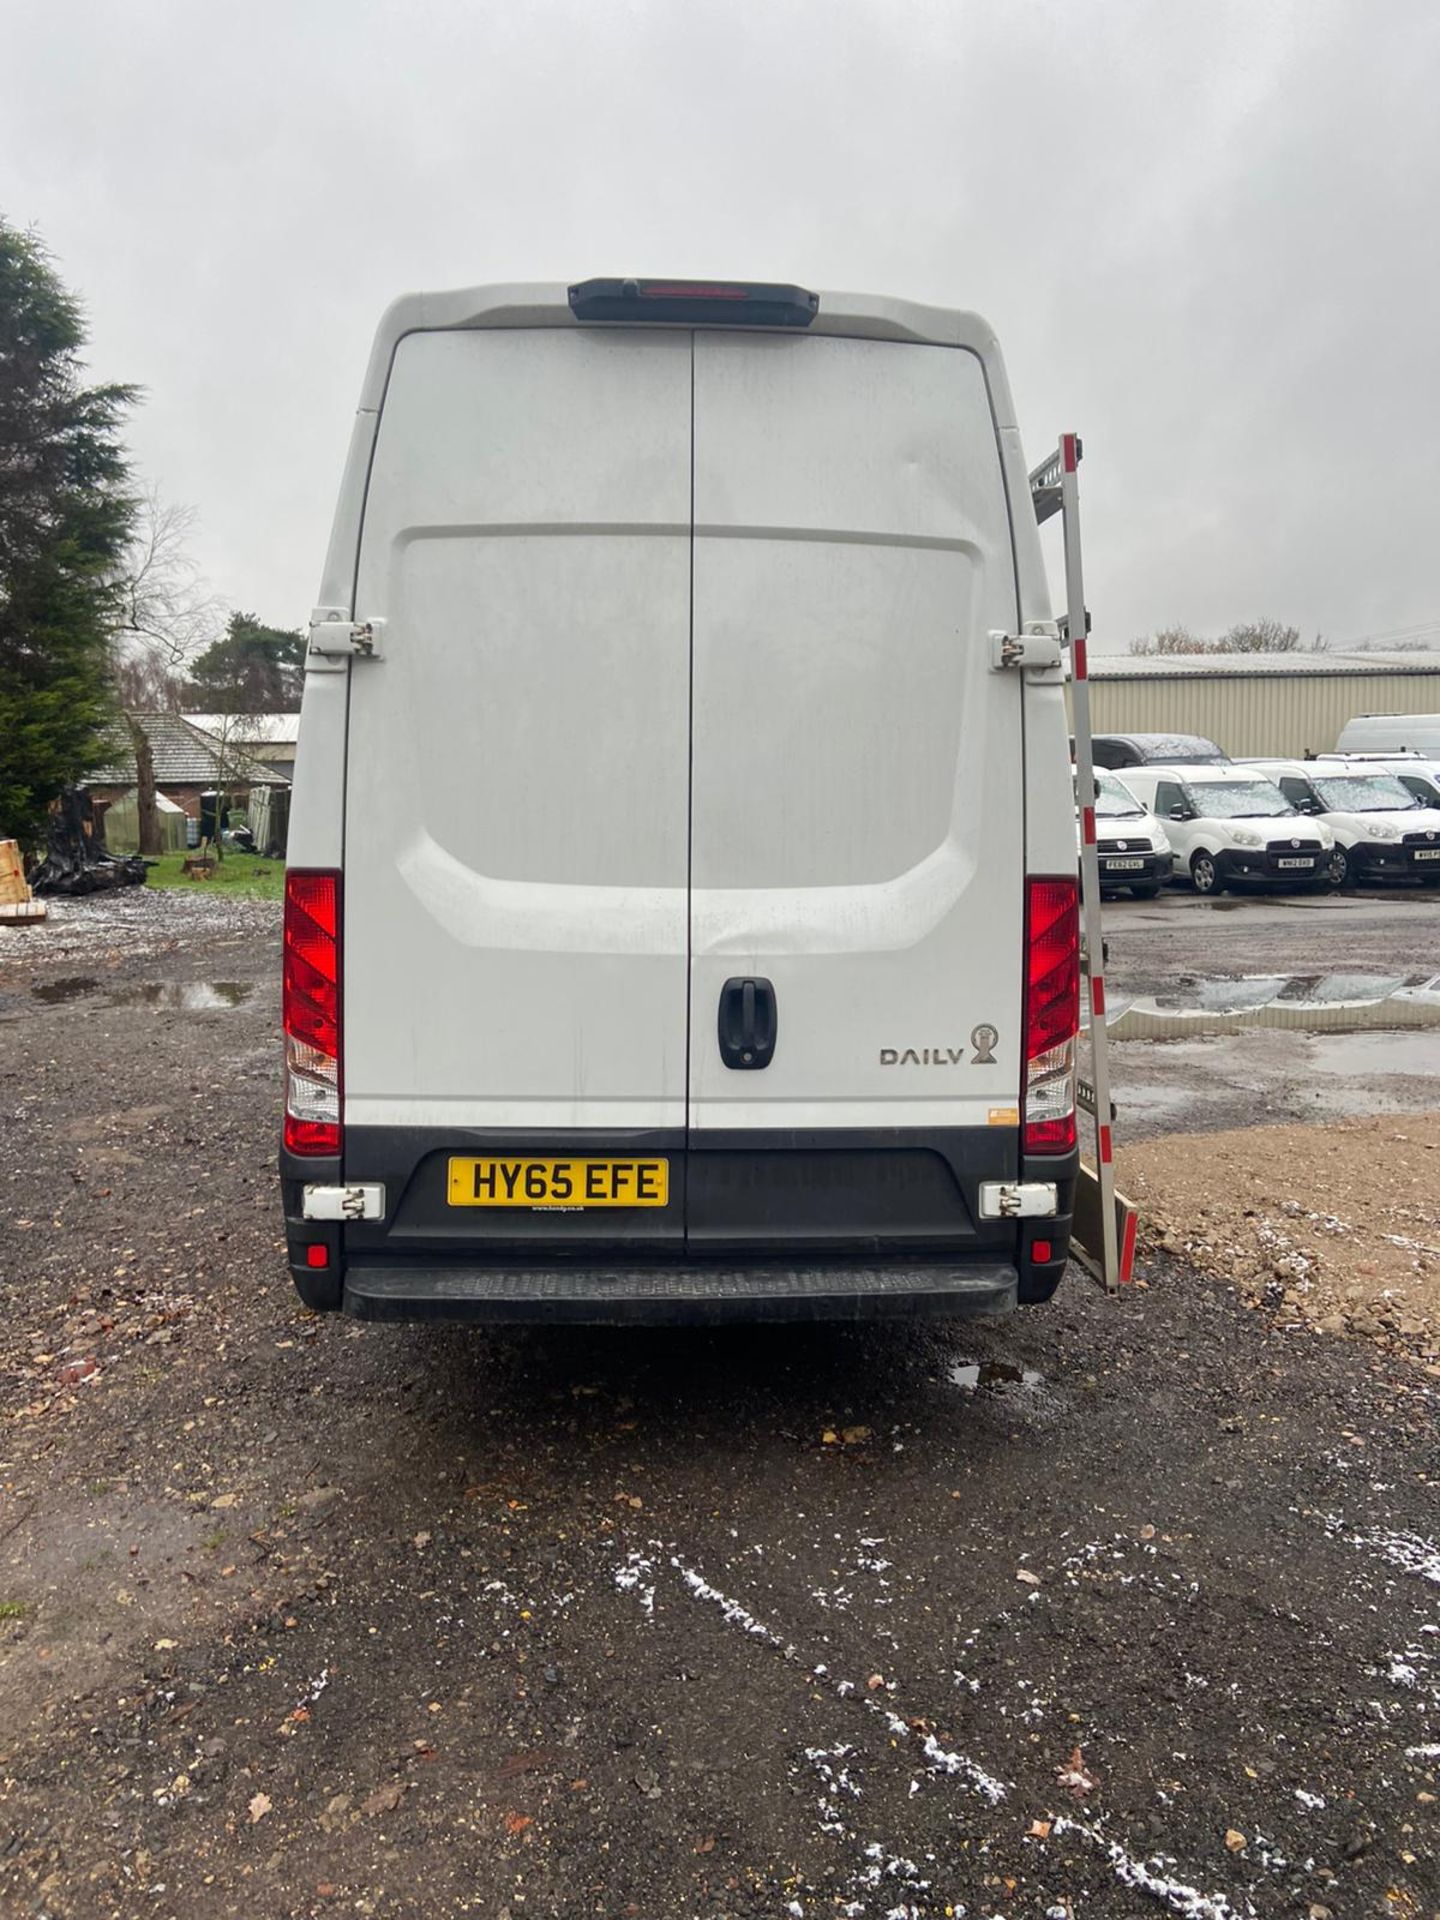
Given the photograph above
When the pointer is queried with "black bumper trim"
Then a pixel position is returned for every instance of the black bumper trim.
(674, 1295)
(1154, 870)
(1257, 868)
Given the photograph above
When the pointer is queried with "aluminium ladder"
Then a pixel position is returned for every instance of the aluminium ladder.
(1105, 1222)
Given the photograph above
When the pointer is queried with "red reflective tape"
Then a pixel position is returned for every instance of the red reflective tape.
(1077, 655)
(1087, 825)
(1127, 1249)
(1067, 452)
(1097, 994)
(1105, 1145)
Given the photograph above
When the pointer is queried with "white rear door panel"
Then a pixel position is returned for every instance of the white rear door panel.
(858, 825)
(517, 788)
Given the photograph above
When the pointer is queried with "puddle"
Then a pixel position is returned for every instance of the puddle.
(995, 1376)
(189, 996)
(167, 996)
(1217, 996)
(54, 993)
(1376, 1053)
(1305, 1002)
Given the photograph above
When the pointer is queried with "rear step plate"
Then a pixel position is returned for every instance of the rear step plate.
(665, 1295)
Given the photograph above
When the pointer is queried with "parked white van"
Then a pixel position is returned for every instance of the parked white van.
(1391, 733)
(1382, 832)
(1132, 848)
(682, 917)
(1417, 775)
(1231, 825)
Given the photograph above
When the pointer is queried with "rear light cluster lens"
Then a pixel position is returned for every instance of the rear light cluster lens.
(311, 1012)
(1052, 1013)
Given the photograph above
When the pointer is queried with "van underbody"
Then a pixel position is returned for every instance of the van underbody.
(818, 1226)
(681, 913)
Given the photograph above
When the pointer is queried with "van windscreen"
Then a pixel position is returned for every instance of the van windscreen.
(1238, 800)
(1365, 793)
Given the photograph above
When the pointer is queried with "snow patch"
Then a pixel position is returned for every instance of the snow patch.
(731, 1611)
(965, 1768)
(635, 1577)
(1407, 1551)
(1145, 1877)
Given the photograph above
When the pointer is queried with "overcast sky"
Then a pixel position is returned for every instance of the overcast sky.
(1207, 237)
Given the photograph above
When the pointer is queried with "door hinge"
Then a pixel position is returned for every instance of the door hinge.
(1034, 652)
(334, 635)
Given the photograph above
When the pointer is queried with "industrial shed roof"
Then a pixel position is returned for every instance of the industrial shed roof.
(1207, 666)
(183, 757)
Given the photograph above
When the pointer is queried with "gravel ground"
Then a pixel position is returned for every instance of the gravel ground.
(1116, 1608)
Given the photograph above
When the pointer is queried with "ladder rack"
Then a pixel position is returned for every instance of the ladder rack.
(1105, 1222)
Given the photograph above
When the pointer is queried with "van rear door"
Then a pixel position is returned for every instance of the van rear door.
(857, 855)
(515, 874)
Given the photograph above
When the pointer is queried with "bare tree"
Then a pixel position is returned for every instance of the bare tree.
(1246, 636)
(1259, 636)
(234, 734)
(1176, 639)
(144, 682)
(165, 612)
(164, 602)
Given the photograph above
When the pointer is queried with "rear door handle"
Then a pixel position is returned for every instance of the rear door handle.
(747, 1023)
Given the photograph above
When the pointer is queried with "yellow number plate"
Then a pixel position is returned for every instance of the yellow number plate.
(558, 1183)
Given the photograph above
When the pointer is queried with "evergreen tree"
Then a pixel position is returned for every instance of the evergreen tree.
(65, 516)
(252, 668)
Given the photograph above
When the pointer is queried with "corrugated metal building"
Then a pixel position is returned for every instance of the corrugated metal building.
(1258, 703)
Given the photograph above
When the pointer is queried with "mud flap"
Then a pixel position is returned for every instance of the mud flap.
(1087, 1242)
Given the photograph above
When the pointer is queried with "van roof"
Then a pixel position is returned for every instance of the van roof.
(547, 304)
(1195, 770)
(1370, 753)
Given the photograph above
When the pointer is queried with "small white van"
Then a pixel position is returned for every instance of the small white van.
(1382, 832)
(1132, 848)
(682, 917)
(1232, 825)
(1417, 775)
(1391, 733)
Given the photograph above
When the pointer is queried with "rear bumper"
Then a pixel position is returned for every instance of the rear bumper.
(685, 1294)
(799, 1226)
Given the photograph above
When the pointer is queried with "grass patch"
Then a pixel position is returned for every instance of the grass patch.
(13, 1609)
(239, 876)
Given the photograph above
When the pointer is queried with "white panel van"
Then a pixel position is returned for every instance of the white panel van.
(1232, 826)
(682, 920)
(1391, 733)
(1382, 830)
(1418, 776)
(1132, 848)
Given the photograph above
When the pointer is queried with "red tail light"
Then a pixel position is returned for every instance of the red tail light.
(1052, 1013)
(730, 303)
(311, 1012)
